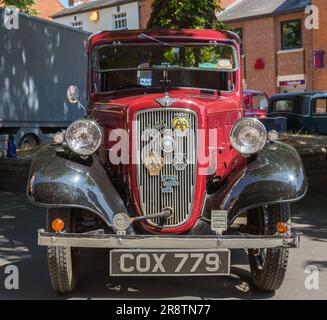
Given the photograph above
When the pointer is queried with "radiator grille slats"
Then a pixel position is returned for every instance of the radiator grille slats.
(152, 199)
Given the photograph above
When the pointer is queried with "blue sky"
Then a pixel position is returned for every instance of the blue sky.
(64, 2)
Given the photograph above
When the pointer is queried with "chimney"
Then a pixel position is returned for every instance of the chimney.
(71, 3)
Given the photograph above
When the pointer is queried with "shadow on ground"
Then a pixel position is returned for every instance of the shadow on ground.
(19, 222)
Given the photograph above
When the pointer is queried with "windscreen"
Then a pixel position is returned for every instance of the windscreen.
(196, 66)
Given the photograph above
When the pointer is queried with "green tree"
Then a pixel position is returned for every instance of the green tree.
(23, 5)
(185, 14)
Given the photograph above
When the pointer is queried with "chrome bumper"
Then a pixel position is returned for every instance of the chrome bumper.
(167, 242)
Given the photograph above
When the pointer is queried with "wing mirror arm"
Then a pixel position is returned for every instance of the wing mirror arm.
(73, 96)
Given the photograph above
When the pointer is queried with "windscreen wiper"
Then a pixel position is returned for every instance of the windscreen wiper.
(145, 36)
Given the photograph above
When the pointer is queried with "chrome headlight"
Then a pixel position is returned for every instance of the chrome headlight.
(84, 137)
(248, 136)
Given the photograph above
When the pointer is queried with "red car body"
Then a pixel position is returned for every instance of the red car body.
(255, 103)
(154, 215)
(213, 110)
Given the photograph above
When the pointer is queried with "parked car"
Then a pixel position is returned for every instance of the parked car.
(164, 172)
(305, 111)
(255, 103)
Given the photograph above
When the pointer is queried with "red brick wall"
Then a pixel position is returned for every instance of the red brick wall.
(297, 62)
(262, 40)
(145, 12)
(47, 8)
(259, 43)
(320, 43)
(227, 3)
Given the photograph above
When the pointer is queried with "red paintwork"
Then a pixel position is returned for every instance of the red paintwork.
(119, 110)
(250, 111)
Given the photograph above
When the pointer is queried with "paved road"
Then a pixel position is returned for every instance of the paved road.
(19, 222)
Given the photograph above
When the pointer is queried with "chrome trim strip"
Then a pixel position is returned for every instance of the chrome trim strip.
(167, 242)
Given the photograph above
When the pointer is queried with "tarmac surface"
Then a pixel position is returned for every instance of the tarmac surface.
(19, 221)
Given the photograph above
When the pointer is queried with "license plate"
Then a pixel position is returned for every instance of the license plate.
(169, 262)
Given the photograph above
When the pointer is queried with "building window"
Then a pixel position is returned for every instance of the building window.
(291, 34)
(120, 21)
(77, 24)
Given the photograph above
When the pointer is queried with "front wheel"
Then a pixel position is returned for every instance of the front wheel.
(63, 262)
(268, 266)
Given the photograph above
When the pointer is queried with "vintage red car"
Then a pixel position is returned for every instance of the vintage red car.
(255, 103)
(165, 172)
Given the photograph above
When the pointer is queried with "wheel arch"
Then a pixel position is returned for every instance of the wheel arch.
(276, 176)
(61, 180)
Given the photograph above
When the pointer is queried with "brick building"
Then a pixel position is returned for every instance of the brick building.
(46, 8)
(99, 15)
(320, 43)
(277, 47)
(143, 12)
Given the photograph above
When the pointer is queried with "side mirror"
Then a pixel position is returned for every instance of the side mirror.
(73, 94)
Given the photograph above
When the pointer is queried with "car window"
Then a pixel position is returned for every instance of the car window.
(260, 102)
(320, 106)
(283, 105)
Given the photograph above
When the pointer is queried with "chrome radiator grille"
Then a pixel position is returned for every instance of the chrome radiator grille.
(152, 196)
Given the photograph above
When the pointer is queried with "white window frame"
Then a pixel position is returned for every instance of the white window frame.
(78, 24)
(120, 21)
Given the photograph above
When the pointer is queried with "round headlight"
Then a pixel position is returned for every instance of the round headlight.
(84, 137)
(248, 136)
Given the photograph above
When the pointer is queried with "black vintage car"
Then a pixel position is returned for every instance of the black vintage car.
(305, 112)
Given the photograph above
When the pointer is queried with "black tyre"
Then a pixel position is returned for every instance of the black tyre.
(268, 266)
(63, 262)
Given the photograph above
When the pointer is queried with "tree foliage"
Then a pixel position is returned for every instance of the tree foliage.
(185, 14)
(23, 5)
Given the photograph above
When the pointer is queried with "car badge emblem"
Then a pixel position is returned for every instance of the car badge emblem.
(168, 182)
(154, 163)
(179, 162)
(181, 125)
(166, 101)
(168, 142)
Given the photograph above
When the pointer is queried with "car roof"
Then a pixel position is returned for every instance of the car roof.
(164, 35)
(290, 95)
(248, 91)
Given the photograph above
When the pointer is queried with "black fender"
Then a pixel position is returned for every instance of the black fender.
(59, 179)
(276, 176)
